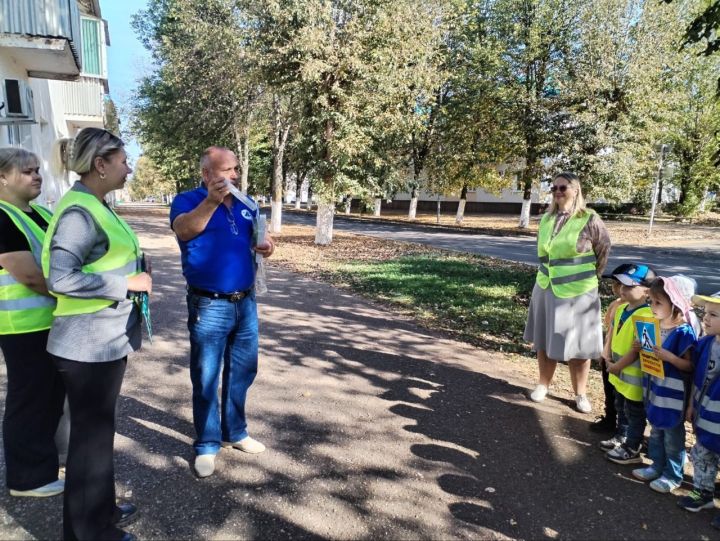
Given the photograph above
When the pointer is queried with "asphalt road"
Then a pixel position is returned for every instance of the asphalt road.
(376, 429)
(523, 249)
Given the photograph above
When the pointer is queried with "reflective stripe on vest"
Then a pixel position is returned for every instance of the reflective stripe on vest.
(706, 398)
(568, 272)
(23, 310)
(707, 426)
(629, 383)
(710, 405)
(665, 398)
(123, 257)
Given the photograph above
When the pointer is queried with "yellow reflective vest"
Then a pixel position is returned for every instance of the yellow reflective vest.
(568, 272)
(23, 310)
(630, 381)
(123, 258)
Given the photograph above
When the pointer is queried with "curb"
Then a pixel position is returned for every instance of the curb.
(448, 228)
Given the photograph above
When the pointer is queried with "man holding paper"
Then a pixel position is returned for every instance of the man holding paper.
(218, 237)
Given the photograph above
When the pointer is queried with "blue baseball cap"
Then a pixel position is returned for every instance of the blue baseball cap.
(636, 275)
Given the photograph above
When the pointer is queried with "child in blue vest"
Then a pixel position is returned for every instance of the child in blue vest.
(704, 410)
(664, 398)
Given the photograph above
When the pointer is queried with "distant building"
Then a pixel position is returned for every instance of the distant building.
(508, 201)
(53, 76)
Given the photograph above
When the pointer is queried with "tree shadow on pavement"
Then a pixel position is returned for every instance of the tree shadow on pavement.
(375, 429)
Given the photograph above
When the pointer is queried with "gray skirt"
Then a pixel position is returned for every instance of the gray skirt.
(565, 328)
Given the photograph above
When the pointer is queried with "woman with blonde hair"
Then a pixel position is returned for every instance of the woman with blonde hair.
(93, 265)
(35, 392)
(564, 317)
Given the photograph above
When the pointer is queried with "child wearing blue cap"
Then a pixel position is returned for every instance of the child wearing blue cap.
(624, 367)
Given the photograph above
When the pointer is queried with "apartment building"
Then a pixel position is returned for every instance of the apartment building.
(53, 76)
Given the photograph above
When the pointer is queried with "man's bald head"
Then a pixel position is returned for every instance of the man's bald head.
(212, 154)
(218, 162)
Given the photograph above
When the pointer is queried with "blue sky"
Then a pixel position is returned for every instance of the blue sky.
(127, 58)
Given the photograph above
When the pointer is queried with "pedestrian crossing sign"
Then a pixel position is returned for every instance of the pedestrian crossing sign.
(647, 330)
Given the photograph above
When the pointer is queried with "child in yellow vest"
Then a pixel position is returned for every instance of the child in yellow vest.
(607, 424)
(624, 367)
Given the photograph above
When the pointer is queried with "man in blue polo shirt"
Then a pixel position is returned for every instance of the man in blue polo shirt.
(215, 232)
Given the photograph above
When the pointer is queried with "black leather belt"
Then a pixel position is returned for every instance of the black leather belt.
(232, 297)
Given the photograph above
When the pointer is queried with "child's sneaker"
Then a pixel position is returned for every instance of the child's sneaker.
(646, 474)
(612, 443)
(697, 500)
(624, 455)
(664, 485)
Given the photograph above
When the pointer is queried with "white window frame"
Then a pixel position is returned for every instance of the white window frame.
(103, 50)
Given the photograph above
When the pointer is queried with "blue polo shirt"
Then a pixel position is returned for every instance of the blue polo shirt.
(220, 259)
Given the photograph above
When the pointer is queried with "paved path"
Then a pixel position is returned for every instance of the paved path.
(523, 249)
(376, 429)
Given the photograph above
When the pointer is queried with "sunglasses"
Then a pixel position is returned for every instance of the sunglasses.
(562, 188)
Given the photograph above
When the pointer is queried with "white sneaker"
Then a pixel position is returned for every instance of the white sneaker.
(51, 489)
(583, 404)
(539, 394)
(247, 444)
(204, 465)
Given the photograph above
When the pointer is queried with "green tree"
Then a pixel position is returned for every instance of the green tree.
(149, 181)
(111, 121)
(202, 91)
(537, 39)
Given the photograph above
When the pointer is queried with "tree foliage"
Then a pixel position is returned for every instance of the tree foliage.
(149, 181)
(370, 97)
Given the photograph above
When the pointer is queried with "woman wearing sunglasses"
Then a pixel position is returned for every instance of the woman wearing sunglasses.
(564, 318)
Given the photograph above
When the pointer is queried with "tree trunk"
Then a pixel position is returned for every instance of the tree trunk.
(308, 203)
(299, 179)
(286, 186)
(461, 206)
(326, 204)
(703, 201)
(242, 137)
(377, 206)
(525, 214)
(324, 224)
(348, 203)
(527, 178)
(412, 212)
(278, 152)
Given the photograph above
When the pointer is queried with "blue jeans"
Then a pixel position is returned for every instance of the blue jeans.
(635, 413)
(622, 421)
(222, 334)
(666, 449)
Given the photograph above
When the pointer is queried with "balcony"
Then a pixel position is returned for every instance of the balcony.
(80, 101)
(43, 36)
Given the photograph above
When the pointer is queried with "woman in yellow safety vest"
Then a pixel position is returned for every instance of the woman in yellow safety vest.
(564, 318)
(35, 392)
(93, 264)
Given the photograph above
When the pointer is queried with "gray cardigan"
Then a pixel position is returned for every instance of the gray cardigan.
(109, 334)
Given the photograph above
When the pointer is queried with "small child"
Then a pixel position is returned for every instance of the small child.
(607, 423)
(624, 368)
(688, 287)
(704, 410)
(665, 397)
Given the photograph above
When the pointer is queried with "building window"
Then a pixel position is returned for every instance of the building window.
(19, 135)
(91, 47)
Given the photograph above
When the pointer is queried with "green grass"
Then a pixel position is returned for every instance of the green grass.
(480, 300)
